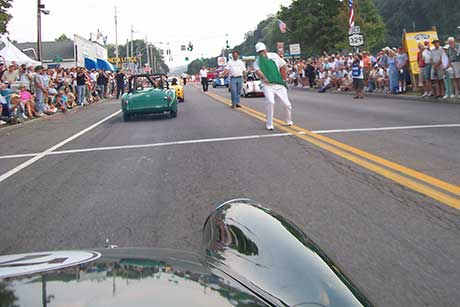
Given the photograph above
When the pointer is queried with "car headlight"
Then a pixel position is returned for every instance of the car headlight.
(168, 98)
(124, 102)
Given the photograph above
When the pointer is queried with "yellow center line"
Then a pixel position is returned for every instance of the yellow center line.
(355, 155)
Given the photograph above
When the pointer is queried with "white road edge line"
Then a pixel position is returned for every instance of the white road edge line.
(387, 128)
(53, 148)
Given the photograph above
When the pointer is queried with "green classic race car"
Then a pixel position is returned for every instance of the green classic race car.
(148, 94)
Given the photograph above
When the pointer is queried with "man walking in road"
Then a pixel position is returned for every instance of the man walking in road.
(235, 69)
(271, 69)
(120, 81)
(204, 78)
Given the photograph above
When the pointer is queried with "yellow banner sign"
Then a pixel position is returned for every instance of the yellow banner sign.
(411, 41)
(122, 60)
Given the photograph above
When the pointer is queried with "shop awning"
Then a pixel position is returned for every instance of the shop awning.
(104, 65)
(90, 64)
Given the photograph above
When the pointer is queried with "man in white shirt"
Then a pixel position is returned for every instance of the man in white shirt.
(235, 69)
(204, 78)
(271, 69)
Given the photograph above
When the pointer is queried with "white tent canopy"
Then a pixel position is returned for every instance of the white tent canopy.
(11, 53)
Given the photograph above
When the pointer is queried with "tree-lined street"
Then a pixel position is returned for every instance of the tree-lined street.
(152, 181)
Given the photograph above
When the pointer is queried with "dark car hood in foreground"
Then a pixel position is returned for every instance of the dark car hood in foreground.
(250, 257)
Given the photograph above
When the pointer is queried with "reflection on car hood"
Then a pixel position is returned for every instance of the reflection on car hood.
(250, 257)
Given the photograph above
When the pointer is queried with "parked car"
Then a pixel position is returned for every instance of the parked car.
(250, 257)
(148, 94)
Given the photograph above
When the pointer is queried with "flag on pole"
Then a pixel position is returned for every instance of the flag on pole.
(282, 25)
(351, 19)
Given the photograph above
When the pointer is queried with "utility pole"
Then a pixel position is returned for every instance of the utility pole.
(147, 47)
(117, 56)
(132, 42)
(39, 30)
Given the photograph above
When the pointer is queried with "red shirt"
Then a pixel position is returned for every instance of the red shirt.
(420, 60)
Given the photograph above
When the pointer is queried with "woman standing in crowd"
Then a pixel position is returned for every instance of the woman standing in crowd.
(358, 76)
(393, 74)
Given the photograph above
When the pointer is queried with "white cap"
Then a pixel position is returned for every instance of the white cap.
(260, 47)
(451, 39)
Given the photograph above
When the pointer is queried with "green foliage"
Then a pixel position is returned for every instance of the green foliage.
(61, 38)
(5, 17)
(194, 67)
(419, 15)
(318, 26)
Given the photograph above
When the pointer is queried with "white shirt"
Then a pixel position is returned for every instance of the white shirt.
(203, 73)
(236, 68)
(278, 61)
(426, 54)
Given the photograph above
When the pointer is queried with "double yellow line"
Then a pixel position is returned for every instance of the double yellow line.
(434, 188)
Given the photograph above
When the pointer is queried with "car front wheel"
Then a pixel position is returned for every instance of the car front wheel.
(173, 113)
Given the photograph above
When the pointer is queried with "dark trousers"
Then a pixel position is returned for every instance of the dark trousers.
(205, 84)
(119, 91)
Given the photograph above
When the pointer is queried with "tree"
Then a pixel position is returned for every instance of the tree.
(419, 15)
(323, 25)
(194, 67)
(5, 17)
(62, 38)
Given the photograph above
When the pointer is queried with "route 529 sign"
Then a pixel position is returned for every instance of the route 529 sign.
(356, 40)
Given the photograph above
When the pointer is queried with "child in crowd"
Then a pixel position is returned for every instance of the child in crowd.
(28, 101)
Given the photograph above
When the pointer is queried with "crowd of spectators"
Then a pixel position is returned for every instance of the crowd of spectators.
(387, 71)
(28, 92)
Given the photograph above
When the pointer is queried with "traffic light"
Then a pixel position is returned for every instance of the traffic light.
(190, 47)
(186, 58)
(227, 45)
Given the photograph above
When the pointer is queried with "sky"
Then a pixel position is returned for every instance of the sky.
(205, 23)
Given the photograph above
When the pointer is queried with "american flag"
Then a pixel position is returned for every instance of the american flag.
(351, 20)
(283, 27)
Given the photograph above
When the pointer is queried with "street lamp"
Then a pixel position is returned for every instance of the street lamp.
(40, 10)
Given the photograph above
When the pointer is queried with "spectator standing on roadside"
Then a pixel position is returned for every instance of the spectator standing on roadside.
(310, 73)
(426, 55)
(81, 84)
(41, 89)
(204, 78)
(448, 75)
(120, 82)
(437, 71)
(235, 69)
(271, 69)
(102, 82)
(392, 71)
(401, 64)
(357, 73)
(2, 70)
(367, 65)
(421, 65)
(453, 53)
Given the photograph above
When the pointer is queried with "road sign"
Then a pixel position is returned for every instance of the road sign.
(294, 49)
(355, 30)
(57, 59)
(356, 40)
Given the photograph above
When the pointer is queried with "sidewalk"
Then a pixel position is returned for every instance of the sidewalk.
(414, 96)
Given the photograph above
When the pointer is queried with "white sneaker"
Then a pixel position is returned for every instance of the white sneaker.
(271, 128)
(290, 123)
(425, 94)
(2, 122)
(24, 116)
(429, 94)
(452, 96)
(445, 97)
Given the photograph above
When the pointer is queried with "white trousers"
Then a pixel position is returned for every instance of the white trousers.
(271, 92)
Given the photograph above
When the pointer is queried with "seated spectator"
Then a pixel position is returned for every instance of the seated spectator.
(60, 101)
(346, 83)
(28, 101)
(326, 84)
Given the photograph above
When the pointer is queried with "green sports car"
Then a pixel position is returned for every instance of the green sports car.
(148, 94)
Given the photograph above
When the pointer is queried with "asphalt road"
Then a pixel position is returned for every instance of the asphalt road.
(400, 246)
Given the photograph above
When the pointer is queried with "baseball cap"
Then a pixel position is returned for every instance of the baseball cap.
(260, 47)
